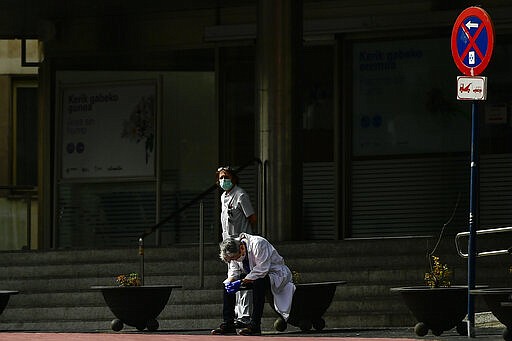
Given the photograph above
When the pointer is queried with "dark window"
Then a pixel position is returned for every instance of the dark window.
(237, 116)
(317, 118)
(25, 162)
(495, 112)
(404, 99)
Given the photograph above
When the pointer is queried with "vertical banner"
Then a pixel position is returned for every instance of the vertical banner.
(108, 130)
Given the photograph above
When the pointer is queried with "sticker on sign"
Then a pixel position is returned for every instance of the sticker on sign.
(471, 88)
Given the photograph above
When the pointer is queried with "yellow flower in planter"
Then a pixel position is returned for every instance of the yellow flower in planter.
(439, 275)
(132, 280)
(296, 278)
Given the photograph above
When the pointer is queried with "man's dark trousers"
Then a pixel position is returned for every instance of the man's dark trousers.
(259, 288)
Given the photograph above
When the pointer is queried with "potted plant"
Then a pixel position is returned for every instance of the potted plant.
(310, 302)
(499, 301)
(135, 304)
(4, 298)
(437, 306)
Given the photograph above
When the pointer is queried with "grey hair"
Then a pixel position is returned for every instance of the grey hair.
(228, 248)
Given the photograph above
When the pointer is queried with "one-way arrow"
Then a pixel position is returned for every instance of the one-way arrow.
(471, 25)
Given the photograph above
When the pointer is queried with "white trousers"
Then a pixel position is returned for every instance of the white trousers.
(243, 307)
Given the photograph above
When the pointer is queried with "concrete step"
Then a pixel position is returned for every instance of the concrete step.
(357, 297)
(107, 269)
(94, 298)
(55, 286)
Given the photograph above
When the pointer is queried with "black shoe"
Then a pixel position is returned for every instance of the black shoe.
(250, 331)
(224, 329)
(241, 324)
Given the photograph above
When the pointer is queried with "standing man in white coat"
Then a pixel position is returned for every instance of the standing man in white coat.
(263, 267)
(237, 216)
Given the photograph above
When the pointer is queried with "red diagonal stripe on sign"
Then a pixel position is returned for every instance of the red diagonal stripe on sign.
(472, 40)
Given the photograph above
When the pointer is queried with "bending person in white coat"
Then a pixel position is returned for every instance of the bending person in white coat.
(255, 263)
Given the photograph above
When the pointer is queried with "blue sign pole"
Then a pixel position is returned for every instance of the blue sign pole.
(472, 43)
(473, 217)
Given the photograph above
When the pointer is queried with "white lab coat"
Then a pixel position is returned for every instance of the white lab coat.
(265, 260)
(236, 208)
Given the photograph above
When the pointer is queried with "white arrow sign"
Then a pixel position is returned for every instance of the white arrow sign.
(471, 25)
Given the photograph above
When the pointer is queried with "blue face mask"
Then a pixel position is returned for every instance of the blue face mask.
(225, 184)
(241, 258)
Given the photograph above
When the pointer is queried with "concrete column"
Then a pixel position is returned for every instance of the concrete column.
(279, 51)
(46, 235)
(5, 129)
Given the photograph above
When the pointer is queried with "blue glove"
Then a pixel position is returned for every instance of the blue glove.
(233, 287)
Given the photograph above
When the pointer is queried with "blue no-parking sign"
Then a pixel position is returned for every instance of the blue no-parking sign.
(472, 41)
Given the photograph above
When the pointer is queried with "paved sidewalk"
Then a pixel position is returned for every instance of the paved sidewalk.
(158, 337)
(402, 334)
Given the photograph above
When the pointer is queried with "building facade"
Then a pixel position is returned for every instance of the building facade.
(343, 115)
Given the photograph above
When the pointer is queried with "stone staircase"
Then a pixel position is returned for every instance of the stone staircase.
(55, 286)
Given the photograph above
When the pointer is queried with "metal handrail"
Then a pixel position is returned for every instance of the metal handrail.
(201, 245)
(18, 187)
(479, 232)
(193, 201)
(264, 202)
